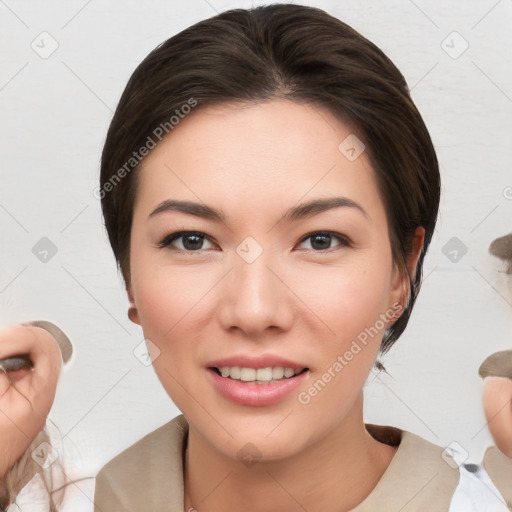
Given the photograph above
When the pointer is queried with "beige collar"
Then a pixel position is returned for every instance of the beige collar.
(149, 474)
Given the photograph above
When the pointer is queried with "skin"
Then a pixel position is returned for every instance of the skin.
(254, 162)
(26, 395)
(497, 400)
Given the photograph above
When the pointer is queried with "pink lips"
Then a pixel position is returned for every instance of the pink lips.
(251, 393)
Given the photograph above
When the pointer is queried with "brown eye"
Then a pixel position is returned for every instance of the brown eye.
(189, 241)
(321, 240)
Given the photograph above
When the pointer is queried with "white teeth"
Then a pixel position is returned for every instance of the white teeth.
(288, 372)
(259, 375)
(233, 372)
(264, 374)
(277, 372)
(247, 374)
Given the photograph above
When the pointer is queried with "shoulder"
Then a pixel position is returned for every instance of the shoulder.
(152, 468)
(420, 477)
(423, 476)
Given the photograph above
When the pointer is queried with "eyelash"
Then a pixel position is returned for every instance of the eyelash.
(167, 241)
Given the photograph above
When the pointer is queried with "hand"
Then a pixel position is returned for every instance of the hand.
(497, 399)
(26, 394)
(496, 371)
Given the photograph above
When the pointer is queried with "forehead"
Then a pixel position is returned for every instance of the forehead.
(258, 154)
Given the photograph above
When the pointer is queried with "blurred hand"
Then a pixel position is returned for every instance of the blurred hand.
(26, 395)
(497, 399)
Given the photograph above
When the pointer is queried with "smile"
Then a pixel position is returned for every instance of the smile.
(266, 375)
(256, 387)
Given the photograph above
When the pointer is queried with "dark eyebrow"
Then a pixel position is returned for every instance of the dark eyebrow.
(318, 206)
(295, 213)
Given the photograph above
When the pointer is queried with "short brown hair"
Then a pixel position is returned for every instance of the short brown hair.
(291, 52)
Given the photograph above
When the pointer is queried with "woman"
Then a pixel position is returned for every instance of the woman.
(270, 191)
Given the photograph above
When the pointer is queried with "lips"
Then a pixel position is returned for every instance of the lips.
(256, 381)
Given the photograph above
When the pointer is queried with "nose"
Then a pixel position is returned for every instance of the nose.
(255, 298)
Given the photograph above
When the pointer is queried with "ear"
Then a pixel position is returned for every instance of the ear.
(133, 313)
(401, 287)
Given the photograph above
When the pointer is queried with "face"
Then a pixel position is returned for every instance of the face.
(270, 284)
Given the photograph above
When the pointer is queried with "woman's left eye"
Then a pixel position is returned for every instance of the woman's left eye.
(190, 241)
(321, 240)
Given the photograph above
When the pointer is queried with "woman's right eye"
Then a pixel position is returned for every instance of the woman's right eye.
(187, 241)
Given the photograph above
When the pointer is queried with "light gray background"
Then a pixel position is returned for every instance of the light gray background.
(55, 113)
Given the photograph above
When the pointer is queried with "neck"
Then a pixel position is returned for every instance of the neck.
(334, 474)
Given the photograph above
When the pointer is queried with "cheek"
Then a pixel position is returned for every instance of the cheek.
(175, 308)
(168, 298)
(348, 299)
